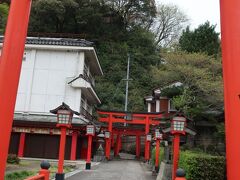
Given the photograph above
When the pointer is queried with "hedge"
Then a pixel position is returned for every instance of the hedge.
(153, 154)
(200, 166)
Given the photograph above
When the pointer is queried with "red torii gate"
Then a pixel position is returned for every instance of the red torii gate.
(11, 60)
(129, 132)
(146, 119)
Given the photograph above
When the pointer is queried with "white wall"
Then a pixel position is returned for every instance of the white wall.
(43, 81)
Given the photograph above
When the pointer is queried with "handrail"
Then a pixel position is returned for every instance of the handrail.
(43, 174)
(37, 177)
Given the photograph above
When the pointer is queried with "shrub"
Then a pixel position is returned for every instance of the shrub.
(13, 159)
(200, 166)
(19, 175)
(153, 154)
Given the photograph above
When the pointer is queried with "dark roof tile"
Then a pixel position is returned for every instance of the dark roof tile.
(56, 41)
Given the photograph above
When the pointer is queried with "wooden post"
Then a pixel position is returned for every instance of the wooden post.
(230, 32)
(138, 146)
(74, 145)
(10, 68)
(117, 145)
(21, 144)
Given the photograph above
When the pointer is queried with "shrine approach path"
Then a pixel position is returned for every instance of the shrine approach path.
(116, 170)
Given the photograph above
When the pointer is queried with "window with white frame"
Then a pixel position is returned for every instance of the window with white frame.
(171, 105)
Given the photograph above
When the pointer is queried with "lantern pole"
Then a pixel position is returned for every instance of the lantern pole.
(10, 68)
(90, 134)
(158, 137)
(61, 151)
(176, 142)
(64, 121)
(230, 33)
(178, 125)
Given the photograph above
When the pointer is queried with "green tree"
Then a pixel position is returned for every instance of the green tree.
(3, 16)
(203, 39)
(47, 16)
(113, 55)
(201, 77)
(134, 12)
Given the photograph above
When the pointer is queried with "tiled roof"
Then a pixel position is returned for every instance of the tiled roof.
(56, 41)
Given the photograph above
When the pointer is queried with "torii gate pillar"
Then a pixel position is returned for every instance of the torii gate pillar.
(230, 32)
(147, 143)
(10, 68)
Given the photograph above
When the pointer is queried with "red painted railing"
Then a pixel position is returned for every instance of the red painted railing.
(43, 174)
(37, 177)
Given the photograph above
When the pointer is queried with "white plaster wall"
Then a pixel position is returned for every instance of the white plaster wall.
(43, 81)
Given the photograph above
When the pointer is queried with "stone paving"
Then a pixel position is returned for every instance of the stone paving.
(116, 170)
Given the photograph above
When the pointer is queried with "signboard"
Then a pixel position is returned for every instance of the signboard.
(39, 130)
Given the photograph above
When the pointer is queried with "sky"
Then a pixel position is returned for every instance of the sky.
(198, 11)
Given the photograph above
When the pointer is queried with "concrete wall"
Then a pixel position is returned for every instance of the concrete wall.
(43, 81)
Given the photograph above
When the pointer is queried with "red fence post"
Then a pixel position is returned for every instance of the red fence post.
(44, 173)
(180, 174)
(230, 32)
(11, 61)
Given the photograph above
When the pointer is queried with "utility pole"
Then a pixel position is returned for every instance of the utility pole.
(127, 80)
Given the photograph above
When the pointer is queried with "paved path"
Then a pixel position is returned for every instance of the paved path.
(116, 170)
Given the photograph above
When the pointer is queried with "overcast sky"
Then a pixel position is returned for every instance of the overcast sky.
(198, 11)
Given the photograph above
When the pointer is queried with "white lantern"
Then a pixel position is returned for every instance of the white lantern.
(149, 137)
(178, 124)
(158, 135)
(107, 134)
(90, 130)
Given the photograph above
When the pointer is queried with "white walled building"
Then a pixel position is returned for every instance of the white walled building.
(54, 70)
(48, 67)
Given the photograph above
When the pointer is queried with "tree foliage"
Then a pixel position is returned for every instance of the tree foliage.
(201, 78)
(134, 12)
(111, 88)
(203, 39)
(3, 16)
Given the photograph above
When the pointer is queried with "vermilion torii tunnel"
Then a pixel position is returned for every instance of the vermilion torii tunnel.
(145, 119)
(11, 60)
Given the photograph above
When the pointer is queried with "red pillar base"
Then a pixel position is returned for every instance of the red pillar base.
(59, 176)
(88, 166)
